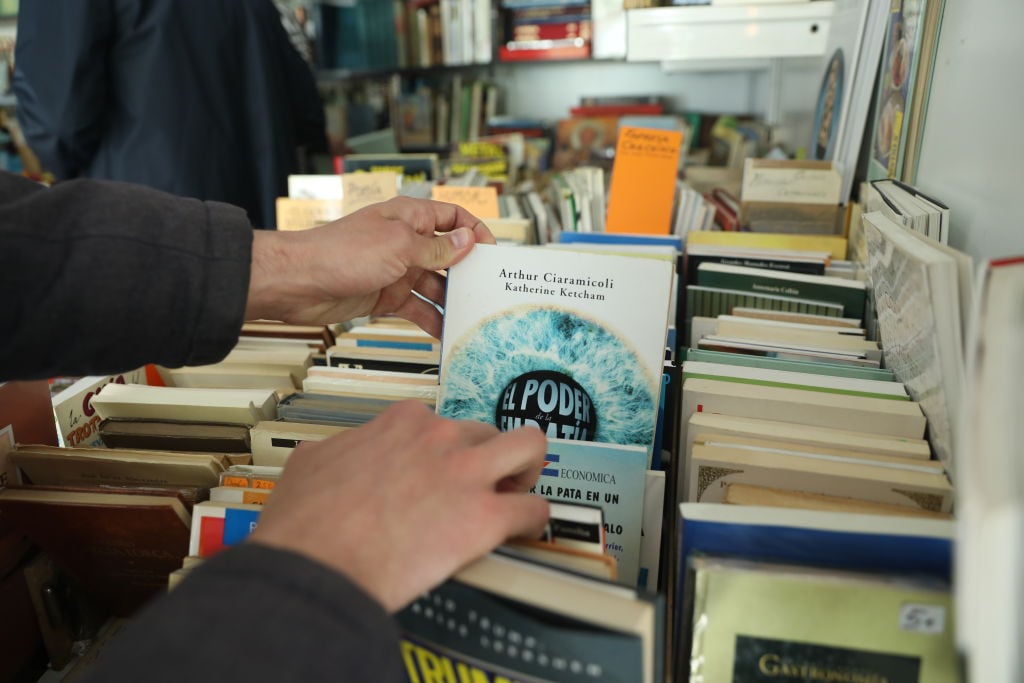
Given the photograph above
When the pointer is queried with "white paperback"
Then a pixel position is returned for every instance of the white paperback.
(571, 342)
(78, 423)
(917, 293)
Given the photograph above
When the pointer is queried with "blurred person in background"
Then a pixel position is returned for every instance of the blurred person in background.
(208, 99)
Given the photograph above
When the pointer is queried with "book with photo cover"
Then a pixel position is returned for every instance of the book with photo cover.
(570, 342)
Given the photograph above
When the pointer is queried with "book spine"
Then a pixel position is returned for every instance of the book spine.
(543, 54)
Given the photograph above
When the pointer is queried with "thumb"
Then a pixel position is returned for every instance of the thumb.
(448, 249)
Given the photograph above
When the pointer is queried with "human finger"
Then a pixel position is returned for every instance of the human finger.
(515, 458)
(431, 286)
(524, 515)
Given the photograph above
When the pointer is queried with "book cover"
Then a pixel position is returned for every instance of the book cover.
(643, 183)
(77, 421)
(506, 617)
(609, 476)
(813, 538)
(570, 342)
(714, 466)
(760, 622)
(900, 62)
(120, 546)
(917, 294)
(849, 293)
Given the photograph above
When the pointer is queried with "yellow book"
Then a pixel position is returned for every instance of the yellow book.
(833, 244)
(758, 622)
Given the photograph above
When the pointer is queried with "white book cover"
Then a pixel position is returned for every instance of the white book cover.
(570, 342)
(78, 423)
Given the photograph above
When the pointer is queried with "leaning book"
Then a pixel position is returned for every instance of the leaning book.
(570, 342)
(508, 618)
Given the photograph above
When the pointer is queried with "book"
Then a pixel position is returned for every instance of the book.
(234, 406)
(833, 244)
(643, 180)
(585, 562)
(609, 476)
(55, 466)
(795, 380)
(169, 435)
(830, 369)
(901, 61)
(916, 289)
(810, 538)
(516, 619)
(120, 546)
(849, 293)
(571, 342)
(756, 621)
(858, 413)
(219, 525)
(990, 489)
(851, 58)
(77, 421)
(748, 494)
(274, 440)
(792, 433)
(239, 494)
(716, 465)
(414, 167)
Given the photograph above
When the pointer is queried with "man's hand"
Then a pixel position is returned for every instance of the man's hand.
(369, 262)
(400, 504)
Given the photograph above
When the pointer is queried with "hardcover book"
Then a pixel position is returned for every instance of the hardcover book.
(570, 342)
(120, 545)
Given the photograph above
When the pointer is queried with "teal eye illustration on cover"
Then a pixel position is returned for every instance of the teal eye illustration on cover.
(567, 375)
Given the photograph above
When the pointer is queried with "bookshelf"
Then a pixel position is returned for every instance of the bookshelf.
(771, 77)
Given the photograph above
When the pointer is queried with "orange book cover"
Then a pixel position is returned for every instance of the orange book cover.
(643, 181)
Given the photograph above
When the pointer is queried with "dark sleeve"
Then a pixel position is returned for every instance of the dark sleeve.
(253, 613)
(60, 80)
(102, 277)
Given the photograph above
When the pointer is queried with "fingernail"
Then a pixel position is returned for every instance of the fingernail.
(460, 237)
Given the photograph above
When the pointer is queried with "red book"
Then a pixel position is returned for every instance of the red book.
(554, 53)
(559, 31)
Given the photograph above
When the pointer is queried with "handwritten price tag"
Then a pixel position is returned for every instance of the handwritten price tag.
(482, 202)
(363, 189)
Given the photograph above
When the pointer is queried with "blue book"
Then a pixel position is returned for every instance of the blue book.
(571, 237)
(607, 475)
(815, 538)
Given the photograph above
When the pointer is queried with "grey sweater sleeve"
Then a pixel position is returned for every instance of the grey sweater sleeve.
(253, 613)
(102, 277)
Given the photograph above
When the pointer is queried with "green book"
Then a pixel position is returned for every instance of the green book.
(751, 361)
(711, 302)
(807, 381)
(759, 622)
(849, 293)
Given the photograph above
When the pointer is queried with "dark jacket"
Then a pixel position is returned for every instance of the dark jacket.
(200, 98)
(100, 276)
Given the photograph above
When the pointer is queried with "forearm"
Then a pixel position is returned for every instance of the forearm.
(105, 277)
(257, 614)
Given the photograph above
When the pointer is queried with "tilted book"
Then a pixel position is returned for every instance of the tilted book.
(570, 342)
(508, 618)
